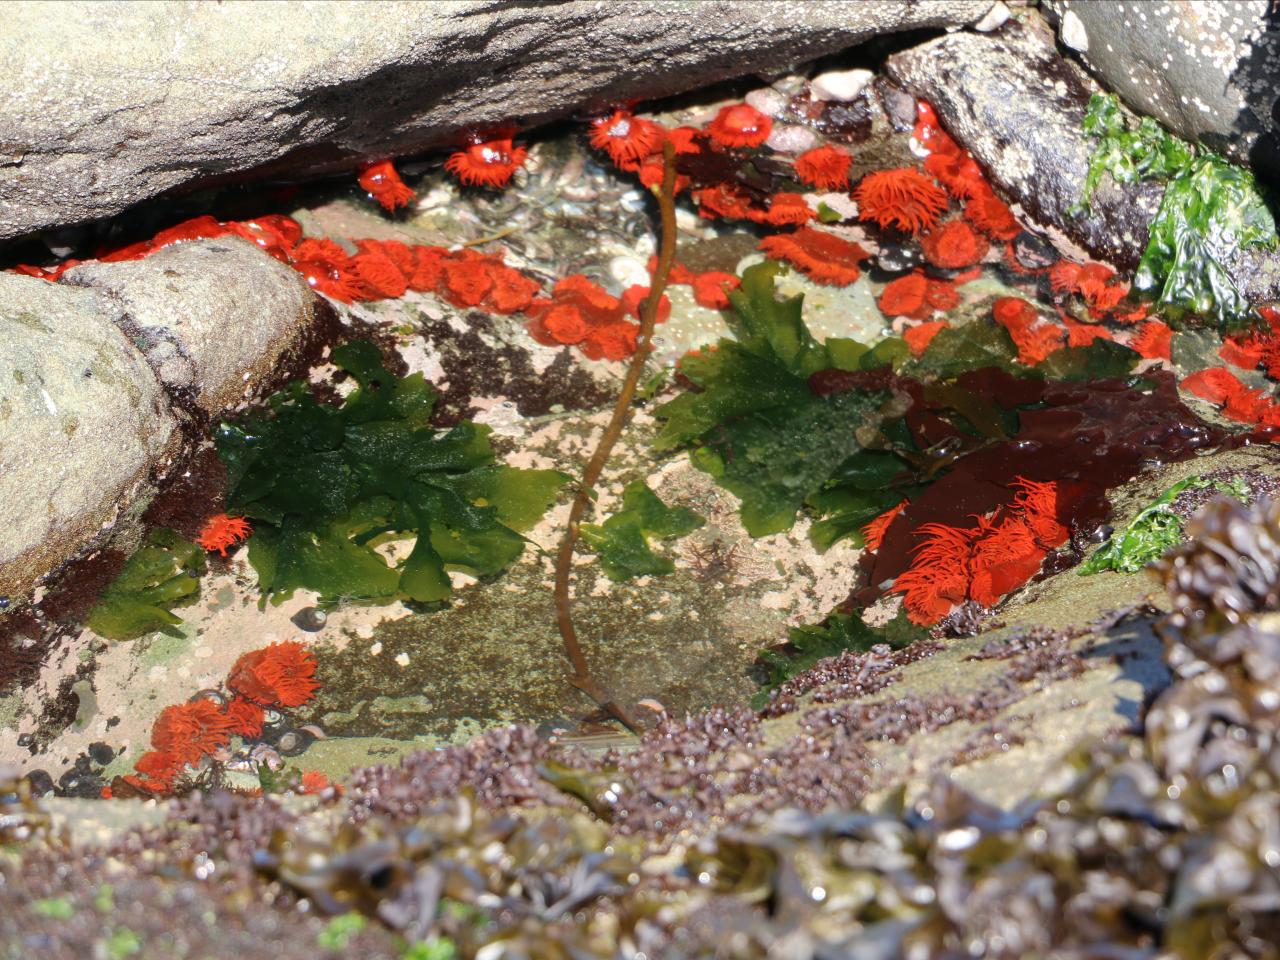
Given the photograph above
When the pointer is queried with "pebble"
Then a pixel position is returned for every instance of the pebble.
(310, 619)
(629, 271)
(786, 138)
(839, 84)
(1033, 251)
(767, 101)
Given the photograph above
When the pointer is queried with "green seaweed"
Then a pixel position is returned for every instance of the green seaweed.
(622, 540)
(1211, 209)
(1153, 532)
(327, 485)
(839, 633)
(754, 423)
(162, 574)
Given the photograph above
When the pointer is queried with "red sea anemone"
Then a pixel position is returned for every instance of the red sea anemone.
(954, 245)
(904, 198)
(711, 289)
(245, 717)
(384, 185)
(740, 125)
(919, 337)
(826, 168)
(221, 531)
(189, 731)
(1154, 340)
(989, 214)
(821, 256)
(281, 675)
(626, 137)
(490, 163)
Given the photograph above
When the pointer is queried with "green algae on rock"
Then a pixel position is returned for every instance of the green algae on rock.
(162, 574)
(326, 485)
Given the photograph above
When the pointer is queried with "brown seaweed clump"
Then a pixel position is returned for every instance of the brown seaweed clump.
(1230, 565)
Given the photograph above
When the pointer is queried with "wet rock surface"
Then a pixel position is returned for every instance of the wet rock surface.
(212, 317)
(1016, 104)
(1209, 72)
(83, 422)
(115, 104)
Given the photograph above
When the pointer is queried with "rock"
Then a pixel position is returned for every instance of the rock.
(1017, 105)
(107, 105)
(82, 418)
(1207, 71)
(839, 84)
(213, 317)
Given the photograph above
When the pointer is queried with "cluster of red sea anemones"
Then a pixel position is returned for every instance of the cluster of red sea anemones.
(711, 288)
(580, 312)
(1103, 292)
(818, 254)
(281, 675)
(984, 562)
(1236, 400)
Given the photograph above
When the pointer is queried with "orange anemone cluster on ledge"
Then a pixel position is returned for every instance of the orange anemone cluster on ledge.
(278, 676)
(984, 562)
(821, 256)
(582, 313)
(1237, 401)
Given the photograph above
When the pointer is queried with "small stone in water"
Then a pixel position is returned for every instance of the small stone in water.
(791, 139)
(101, 753)
(839, 84)
(310, 619)
(1033, 251)
(896, 258)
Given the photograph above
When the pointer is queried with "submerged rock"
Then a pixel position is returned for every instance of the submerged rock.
(109, 105)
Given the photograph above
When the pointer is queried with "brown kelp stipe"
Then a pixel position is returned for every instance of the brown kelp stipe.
(582, 678)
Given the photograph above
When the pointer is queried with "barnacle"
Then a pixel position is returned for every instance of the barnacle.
(904, 198)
